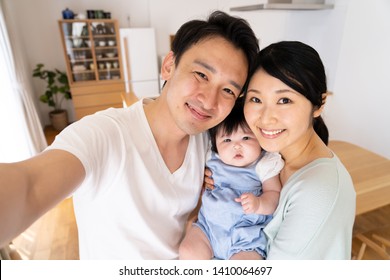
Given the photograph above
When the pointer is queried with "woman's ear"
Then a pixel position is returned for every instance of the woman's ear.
(168, 66)
(318, 111)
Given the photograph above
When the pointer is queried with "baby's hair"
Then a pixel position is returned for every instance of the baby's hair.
(230, 124)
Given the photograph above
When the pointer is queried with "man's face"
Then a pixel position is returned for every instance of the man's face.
(202, 89)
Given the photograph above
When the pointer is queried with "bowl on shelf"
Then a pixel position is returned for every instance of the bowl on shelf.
(110, 55)
(111, 43)
(88, 42)
(102, 43)
(77, 43)
(78, 68)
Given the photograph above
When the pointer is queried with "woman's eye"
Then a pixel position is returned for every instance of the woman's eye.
(284, 101)
(255, 100)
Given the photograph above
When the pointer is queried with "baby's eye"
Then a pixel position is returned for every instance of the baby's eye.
(227, 140)
(284, 101)
(245, 138)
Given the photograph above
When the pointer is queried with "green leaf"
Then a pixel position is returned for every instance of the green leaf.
(57, 82)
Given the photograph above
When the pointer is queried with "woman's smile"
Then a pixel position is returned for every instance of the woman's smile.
(271, 133)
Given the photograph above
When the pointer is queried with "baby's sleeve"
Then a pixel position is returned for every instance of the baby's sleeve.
(269, 166)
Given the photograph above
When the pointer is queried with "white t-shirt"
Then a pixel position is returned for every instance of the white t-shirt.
(130, 206)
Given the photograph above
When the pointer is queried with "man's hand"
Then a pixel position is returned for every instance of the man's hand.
(208, 181)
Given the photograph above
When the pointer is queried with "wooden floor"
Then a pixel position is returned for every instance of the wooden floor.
(54, 236)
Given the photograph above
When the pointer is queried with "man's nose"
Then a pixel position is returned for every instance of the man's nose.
(210, 98)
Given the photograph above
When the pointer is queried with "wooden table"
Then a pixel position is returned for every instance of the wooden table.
(370, 173)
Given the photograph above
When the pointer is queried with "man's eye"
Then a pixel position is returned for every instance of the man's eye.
(229, 91)
(200, 74)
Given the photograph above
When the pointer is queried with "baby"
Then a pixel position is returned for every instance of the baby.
(246, 193)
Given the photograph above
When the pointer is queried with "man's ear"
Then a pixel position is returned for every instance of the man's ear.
(168, 66)
(318, 111)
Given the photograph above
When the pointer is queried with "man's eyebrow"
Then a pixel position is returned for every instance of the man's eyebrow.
(205, 65)
(213, 70)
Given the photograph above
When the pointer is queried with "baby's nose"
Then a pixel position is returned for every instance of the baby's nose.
(237, 146)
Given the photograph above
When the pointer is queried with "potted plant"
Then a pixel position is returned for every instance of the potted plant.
(57, 89)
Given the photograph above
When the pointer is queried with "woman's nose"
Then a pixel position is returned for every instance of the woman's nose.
(267, 116)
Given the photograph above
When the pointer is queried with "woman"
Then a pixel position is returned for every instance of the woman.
(283, 106)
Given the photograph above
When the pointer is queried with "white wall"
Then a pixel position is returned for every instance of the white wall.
(352, 39)
(359, 111)
(167, 19)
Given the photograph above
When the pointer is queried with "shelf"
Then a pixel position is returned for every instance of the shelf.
(93, 87)
(88, 43)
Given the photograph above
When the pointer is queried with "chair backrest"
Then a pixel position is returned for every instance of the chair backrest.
(381, 249)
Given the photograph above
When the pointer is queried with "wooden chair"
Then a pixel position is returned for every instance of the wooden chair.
(9, 252)
(377, 243)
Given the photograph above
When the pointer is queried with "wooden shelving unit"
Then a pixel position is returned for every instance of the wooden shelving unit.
(94, 64)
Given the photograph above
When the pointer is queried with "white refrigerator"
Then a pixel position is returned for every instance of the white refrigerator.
(140, 62)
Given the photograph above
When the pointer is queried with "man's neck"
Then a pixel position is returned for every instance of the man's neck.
(171, 141)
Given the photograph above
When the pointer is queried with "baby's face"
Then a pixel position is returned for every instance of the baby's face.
(241, 148)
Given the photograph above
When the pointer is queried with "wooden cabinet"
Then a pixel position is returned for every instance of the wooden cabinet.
(94, 64)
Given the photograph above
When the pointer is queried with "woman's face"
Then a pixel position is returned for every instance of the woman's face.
(280, 117)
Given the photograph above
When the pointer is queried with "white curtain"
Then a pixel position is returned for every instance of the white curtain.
(21, 130)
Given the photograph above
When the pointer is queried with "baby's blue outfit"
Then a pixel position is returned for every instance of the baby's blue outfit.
(223, 220)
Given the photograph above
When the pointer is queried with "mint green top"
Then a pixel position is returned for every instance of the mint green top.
(315, 215)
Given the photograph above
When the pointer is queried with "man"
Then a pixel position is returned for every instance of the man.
(135, 173)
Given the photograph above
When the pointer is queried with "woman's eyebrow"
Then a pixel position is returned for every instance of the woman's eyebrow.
(254, 91)
(280, 91)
